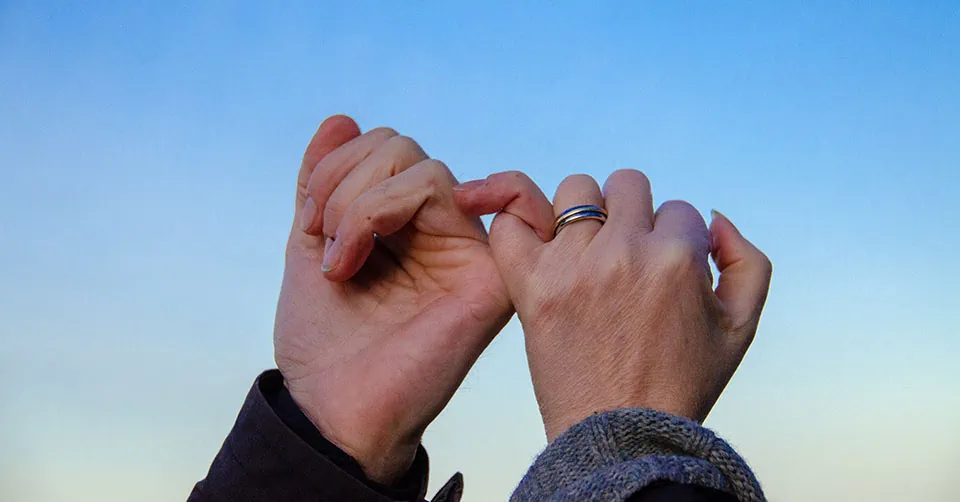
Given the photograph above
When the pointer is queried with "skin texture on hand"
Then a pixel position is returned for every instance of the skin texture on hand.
(624, 314)
(390, 293)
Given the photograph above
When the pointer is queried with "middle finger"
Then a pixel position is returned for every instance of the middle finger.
(332, 169)
(398, 154)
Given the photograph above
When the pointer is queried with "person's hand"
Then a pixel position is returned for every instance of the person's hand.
(625, 314)
(375, 333)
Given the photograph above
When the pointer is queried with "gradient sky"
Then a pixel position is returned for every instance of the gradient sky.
(148, 156)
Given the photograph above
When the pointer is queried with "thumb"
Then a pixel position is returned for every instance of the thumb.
(744, 273)
(525, 216)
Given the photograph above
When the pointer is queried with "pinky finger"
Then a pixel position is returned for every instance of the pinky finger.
(511, 192)
(744, 274)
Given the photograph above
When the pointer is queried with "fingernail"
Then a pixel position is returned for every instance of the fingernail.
(713, 236)
(331, 254)
(308, 214)
(469, 185)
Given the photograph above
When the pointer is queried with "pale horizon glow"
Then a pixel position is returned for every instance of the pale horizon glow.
(148, 156)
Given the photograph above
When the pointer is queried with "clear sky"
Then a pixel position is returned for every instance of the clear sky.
(148, 156)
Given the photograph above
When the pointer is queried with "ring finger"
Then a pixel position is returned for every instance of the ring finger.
(577, 190)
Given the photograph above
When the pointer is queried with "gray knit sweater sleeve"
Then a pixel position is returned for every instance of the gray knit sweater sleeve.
(612, 455)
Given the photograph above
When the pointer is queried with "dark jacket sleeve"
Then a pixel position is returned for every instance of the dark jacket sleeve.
(274, 453)
(269, 455)
(626, 455)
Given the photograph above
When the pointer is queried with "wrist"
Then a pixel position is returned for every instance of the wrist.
(386, 467)
(384, 457)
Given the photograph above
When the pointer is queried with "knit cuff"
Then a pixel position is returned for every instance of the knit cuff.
(612, 455)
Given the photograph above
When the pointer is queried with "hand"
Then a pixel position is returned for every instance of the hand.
(625, 314)
(389, 294)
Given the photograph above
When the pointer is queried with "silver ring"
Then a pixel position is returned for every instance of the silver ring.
(579, 213)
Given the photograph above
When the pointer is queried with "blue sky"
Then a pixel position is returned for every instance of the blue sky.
(148, 154)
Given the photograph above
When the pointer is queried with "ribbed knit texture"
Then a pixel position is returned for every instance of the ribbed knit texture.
(612, 455)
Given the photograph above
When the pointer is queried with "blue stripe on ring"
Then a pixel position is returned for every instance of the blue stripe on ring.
(597, 209)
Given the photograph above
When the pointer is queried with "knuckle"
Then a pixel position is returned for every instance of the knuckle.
(436, 166)
(333, 212)
(516, 176)
(578, 179)
(514, 182)
(403, 145)
(632, 176)
(359, 218)
(383, 132)
(438, 174)
(677, 205)
(322, 181)
(677, 256)
(373, 211)
(401, 153)
(763, 261)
